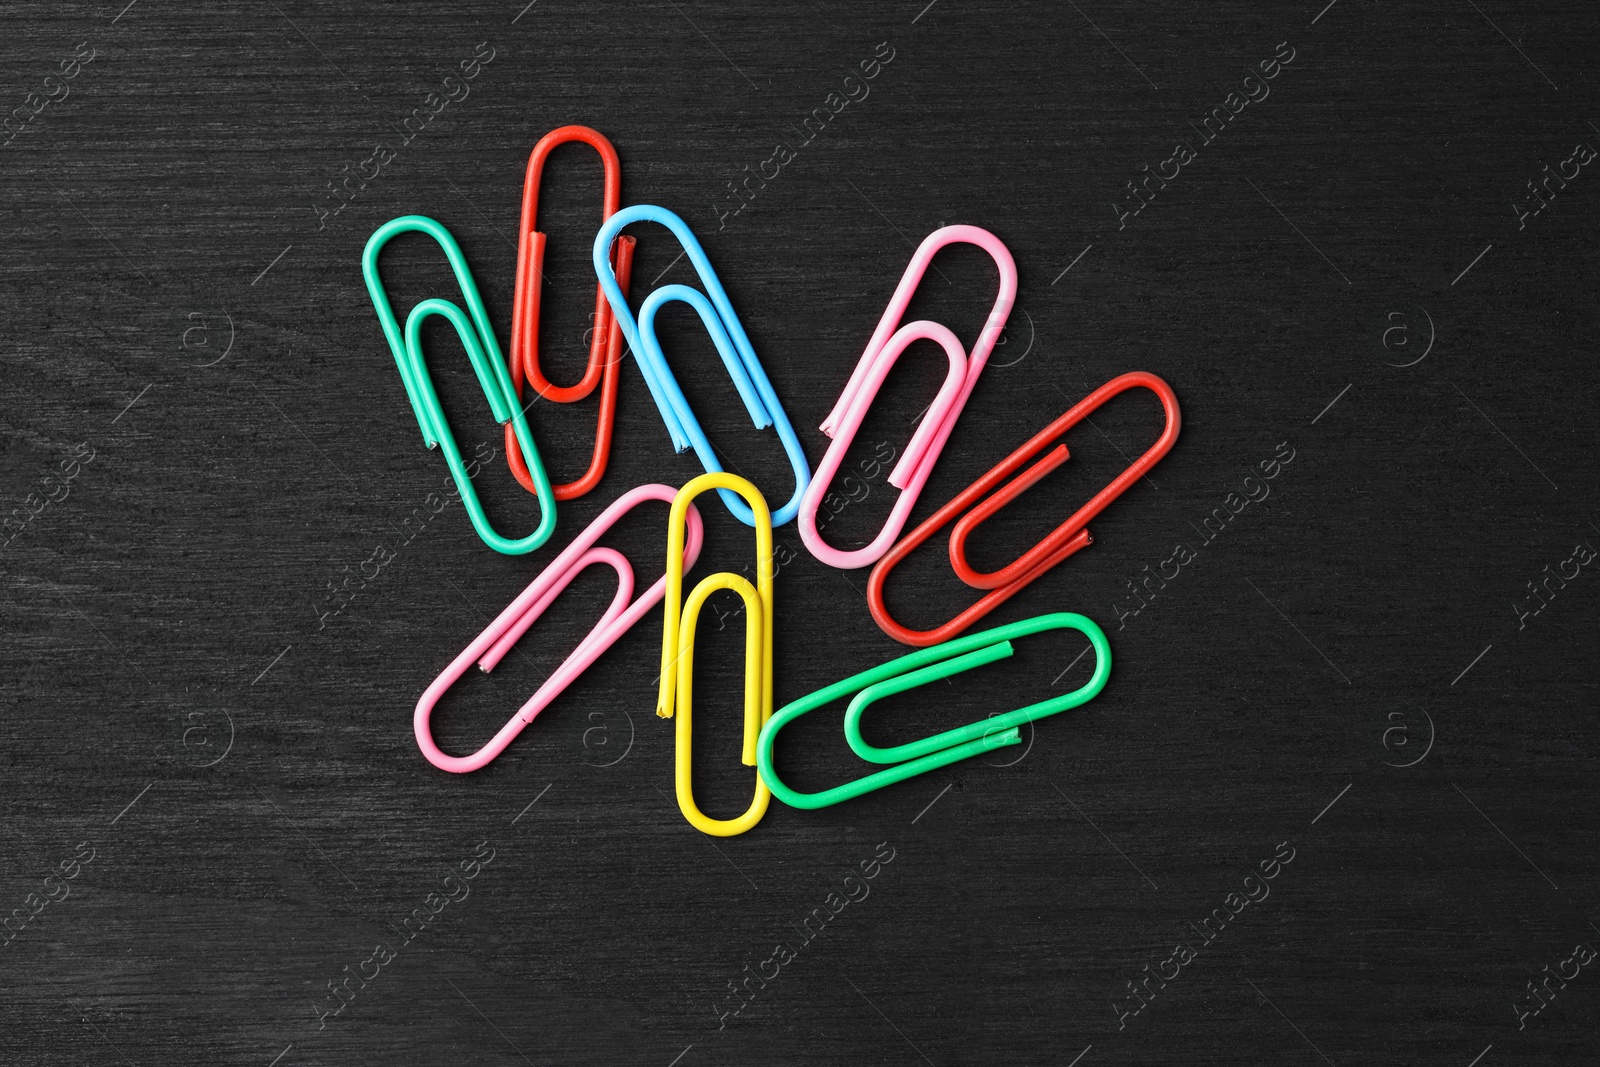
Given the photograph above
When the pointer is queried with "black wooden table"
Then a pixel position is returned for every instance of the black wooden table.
(1335, 805)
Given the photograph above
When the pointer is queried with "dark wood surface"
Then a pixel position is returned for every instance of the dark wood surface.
(211, 783)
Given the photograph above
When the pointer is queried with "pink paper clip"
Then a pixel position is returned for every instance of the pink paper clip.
(888, 342)
(489, 647)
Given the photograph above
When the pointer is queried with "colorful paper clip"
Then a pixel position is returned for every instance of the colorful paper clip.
(477, 336)
(1066, 539)
(489, 647)
(677, 648)
(888, 342)
(722, 323)
(917, 669)
(605, 347)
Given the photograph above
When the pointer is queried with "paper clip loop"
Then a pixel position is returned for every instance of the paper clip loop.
(733, 345)
(477, 336)
(917, 669)
(489, 647)
(888, 342)
(605, 347)
(677, 648)
(1066, 539)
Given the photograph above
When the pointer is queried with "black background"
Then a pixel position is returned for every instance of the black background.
(244, 769)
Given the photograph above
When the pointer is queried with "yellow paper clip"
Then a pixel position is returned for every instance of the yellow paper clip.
(677, 648)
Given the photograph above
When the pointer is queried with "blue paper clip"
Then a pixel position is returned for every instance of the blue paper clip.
(483, 350)
(722, 323)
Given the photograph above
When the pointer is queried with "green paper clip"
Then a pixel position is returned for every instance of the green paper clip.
(918, 669)
(477, 336)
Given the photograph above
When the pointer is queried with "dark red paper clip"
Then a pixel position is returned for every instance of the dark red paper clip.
(606, 347)
(1066, 539)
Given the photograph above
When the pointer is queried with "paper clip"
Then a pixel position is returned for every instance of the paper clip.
(677, 648)
(605, 347)
(889, 340)
(917, 669)
(722, 323)
(489, 647)
(1066, 539)
(477, 336)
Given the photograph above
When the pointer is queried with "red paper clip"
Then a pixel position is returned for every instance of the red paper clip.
(606, 346)
(1066, 539)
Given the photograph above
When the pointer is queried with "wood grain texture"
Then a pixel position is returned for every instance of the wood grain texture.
(1349, 273)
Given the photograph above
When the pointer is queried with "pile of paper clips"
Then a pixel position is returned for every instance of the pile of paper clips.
(941, 653)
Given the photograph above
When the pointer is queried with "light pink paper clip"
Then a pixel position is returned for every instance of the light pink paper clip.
(888, 341)
(491, 646)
